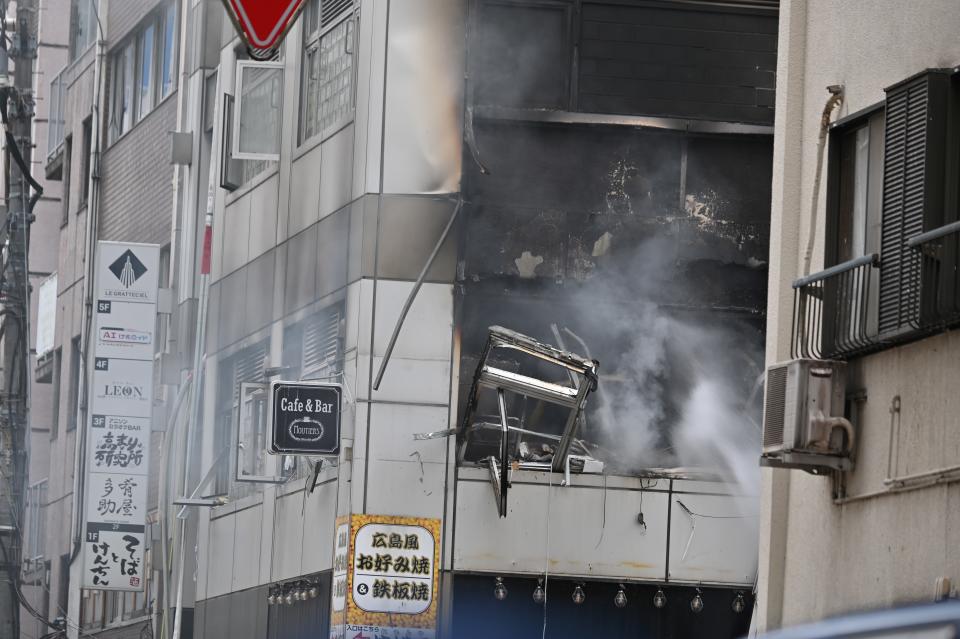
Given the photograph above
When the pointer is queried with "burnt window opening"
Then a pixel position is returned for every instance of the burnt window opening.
(710, 61)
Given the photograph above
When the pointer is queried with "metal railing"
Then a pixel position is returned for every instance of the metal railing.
(939, 254)
(834, 311)
(56, 123)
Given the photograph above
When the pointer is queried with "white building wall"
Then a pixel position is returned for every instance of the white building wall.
(819, 558)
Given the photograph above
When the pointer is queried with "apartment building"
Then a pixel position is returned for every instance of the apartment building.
(106, 81)
(864, 271)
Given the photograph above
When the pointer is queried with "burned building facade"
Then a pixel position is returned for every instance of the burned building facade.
(590, 177)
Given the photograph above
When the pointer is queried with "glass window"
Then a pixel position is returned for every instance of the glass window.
(168, 71)
(83, 26)
(258, 110)
(326, 86)
(145, 49)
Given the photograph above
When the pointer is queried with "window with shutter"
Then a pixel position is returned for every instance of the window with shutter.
(245, 366)
(913, 193)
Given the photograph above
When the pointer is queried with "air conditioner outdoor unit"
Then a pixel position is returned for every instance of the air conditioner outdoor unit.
(803, 423)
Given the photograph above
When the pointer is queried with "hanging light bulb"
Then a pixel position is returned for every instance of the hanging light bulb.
(301, 594)
(539, 594)
(659, 599)
(313, 592)
(738, 603)
(578, 595)
(272, 599)
(288, 598)
(696, 604)
(620, 599)
(499, 590)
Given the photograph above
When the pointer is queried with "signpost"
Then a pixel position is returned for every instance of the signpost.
(305, 418)
(121, 403)
(262, 24)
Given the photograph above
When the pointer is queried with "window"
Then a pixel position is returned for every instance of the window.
(246, 366)
(143, 70)
(893, 235)
(36, 528)
(85, 161)
(235, 172)
(55, 417)
(55, 125)
(67, 159)
(326, 85)
(83, 26)
(76, 362)
(258, 110)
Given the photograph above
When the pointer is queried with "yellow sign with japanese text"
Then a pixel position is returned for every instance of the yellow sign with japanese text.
(386, 577)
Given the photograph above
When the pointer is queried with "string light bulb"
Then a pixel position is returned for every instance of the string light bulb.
(272, 599)
(539, 594)
(313, 592)
(288, 598)
(500, 590)
(738, 603)
(578, 595)
(696, 604)
(660, 599)
(620, 599)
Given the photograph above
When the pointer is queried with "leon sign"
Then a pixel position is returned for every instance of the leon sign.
(305, 418)
(263, 23)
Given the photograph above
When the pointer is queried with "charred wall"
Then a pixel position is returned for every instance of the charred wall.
(637, 239)
(712, 61)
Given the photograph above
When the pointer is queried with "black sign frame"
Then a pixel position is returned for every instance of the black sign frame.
(305, 418)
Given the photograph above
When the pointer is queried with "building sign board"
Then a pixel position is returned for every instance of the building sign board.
(120, 407)
(305, 418)
(392, 579)
(46, 315)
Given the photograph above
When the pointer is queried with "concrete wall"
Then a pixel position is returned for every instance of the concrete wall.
(817, 557)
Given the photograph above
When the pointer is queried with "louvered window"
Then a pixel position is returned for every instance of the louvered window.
(313, 348)
(245, 366)
(913, 194)
(326, 87)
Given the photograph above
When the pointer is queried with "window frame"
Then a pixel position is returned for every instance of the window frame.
(312, 43)
(126, 83)
(237, 111)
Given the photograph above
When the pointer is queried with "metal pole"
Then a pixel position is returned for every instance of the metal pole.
(14, 295)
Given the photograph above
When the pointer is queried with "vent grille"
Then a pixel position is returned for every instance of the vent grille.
(774, 407)
(321, 341)
(249, 367)
(330, 10)
(904, 191)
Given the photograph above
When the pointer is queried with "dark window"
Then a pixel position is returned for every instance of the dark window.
(76, 364)
(85, 161)
(524, 54)
(55, 418)
(67, 161)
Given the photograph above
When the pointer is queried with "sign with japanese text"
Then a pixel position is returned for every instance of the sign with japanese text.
(305, 418)
(392, 578)
(120, 407)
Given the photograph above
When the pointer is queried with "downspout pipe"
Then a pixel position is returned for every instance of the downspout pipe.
(833, 102)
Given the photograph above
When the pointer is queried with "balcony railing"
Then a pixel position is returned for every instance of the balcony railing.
(834, 311)
(55, 134)
(939, 254)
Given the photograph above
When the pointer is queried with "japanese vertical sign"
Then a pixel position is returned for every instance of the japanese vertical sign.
(391, 582)
(120, 405)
